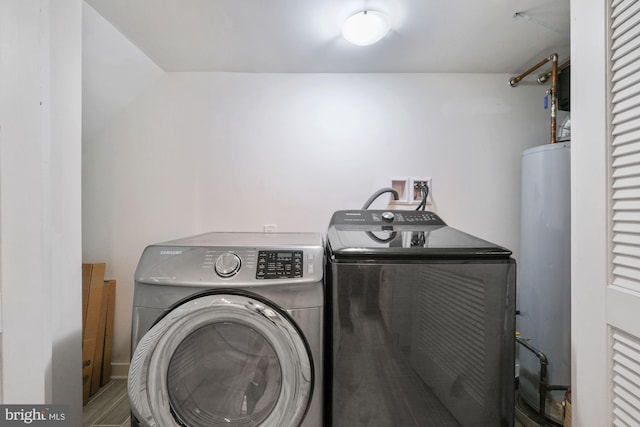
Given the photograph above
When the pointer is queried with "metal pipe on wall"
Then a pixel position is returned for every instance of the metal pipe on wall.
(544, 77)
(514, 81)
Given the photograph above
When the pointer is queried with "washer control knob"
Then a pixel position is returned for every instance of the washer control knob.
(388, 216)
(227, 264)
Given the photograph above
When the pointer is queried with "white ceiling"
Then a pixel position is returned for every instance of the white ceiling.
(448, 36)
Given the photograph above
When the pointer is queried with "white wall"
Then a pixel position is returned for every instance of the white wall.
(114, 71)
(40, 245)
(201, 152)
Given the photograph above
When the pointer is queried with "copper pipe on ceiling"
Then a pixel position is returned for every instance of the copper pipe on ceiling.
(542, 78)
(514, 81)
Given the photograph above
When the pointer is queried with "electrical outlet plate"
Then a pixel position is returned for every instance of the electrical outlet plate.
(416, 194)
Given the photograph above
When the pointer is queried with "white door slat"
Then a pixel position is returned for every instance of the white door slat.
(626, 377)
(626, 205)
(627, 193)
(625, 149)
(625, 216)
(629, 182)
(629, 159)
(624, 237)
(627, 59)
(627, 227)
(619, 6)
(633, 251)
(629, 99)
(627, 138)
(628, 115)
(625, 171)
(627, 262)
(624, 43)
(624, 81)
(625, 85)
(624, 20)
(626, 283)
(622, 371)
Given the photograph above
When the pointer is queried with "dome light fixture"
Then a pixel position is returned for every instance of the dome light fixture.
(365, 28)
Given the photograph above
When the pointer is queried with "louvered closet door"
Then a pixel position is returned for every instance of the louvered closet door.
(623, 293)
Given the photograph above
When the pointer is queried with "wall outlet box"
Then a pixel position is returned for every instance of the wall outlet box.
(401, 185)
(416, 185)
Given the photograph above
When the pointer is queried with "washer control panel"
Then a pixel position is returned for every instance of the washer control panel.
(378, 217)
(279, 265)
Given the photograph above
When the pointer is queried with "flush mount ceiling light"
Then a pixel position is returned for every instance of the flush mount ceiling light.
(365, 28)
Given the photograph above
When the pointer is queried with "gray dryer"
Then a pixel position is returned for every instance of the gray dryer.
(227, 330)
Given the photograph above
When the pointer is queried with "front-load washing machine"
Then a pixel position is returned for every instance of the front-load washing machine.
(228, 330)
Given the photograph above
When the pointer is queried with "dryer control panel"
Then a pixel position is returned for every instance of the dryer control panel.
(230, 259)
(279, 264)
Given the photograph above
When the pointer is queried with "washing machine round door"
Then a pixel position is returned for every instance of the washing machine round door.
(222, 359)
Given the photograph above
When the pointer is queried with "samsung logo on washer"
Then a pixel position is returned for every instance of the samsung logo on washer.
(357, 214)
(174, 252)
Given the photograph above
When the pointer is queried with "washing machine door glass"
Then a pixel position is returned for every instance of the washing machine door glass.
(222, 359)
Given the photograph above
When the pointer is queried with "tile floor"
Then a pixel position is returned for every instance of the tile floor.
(108, 407)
